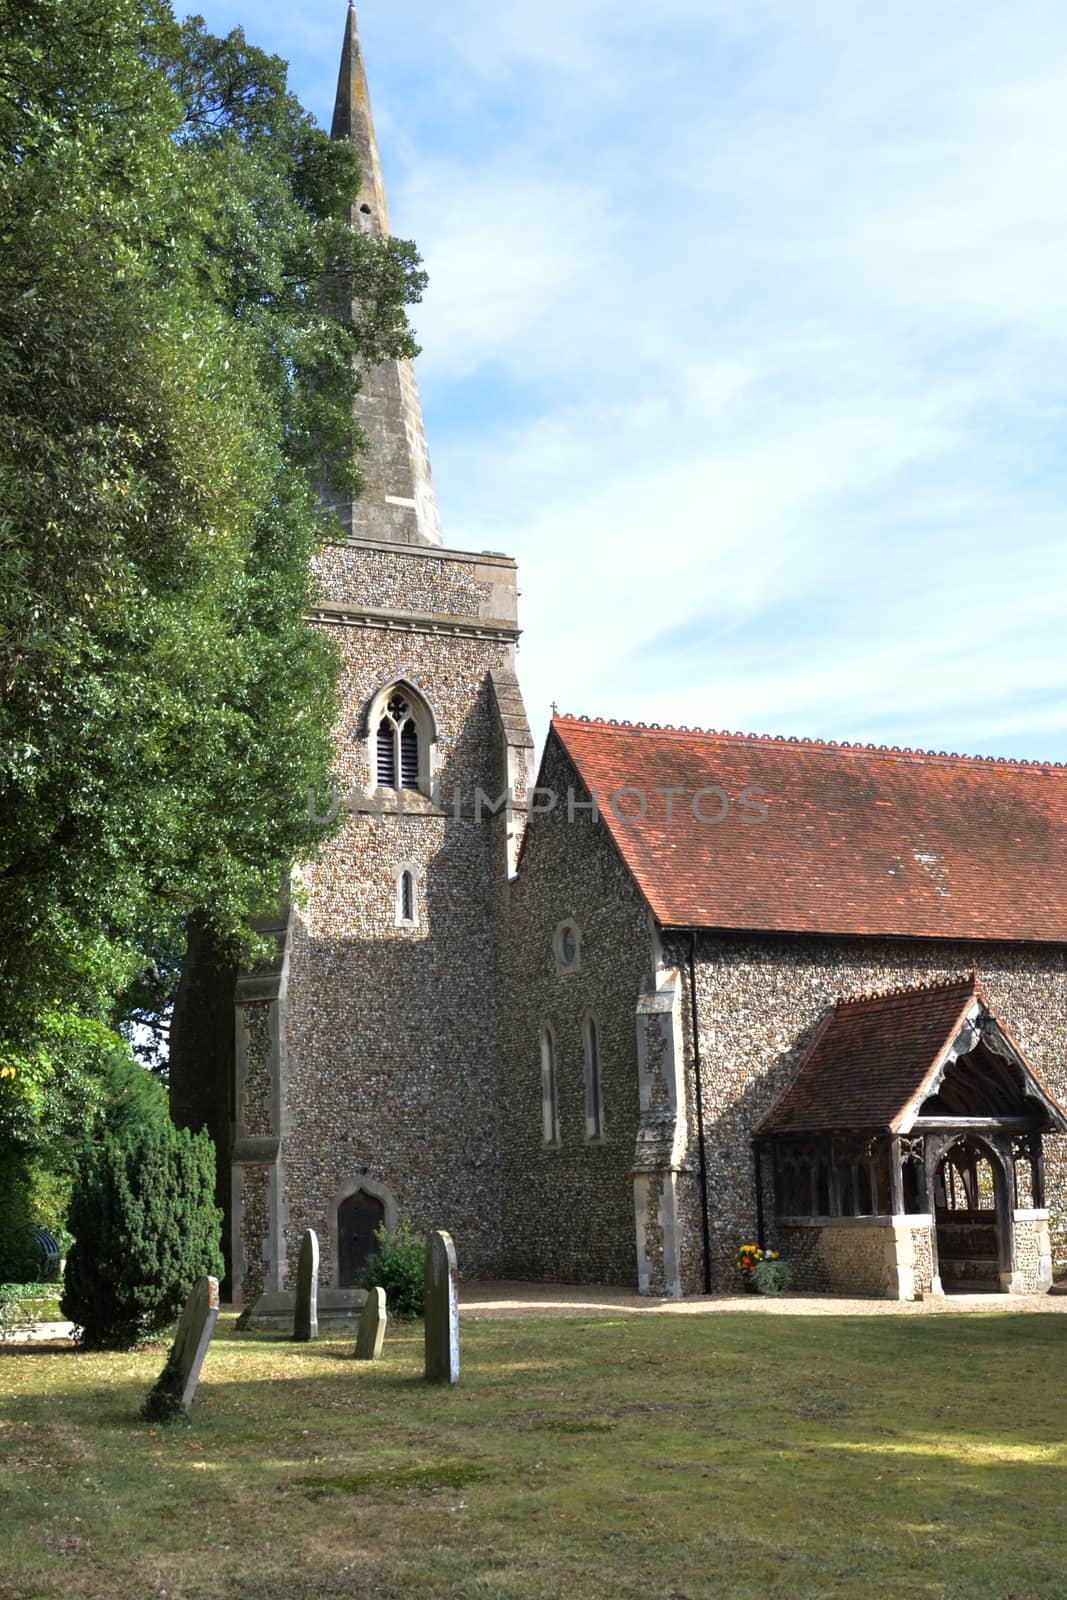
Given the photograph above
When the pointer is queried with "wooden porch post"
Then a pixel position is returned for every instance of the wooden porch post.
(896, 1177)
(1037, 1166)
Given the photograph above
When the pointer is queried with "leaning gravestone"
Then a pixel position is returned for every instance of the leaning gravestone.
(371, 1334)
(176, 1384)
(306, 1314)
(442, 1311)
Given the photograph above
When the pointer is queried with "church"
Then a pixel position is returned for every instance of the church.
(673, 990)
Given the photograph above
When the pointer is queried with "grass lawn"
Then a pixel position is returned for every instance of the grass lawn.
(743, 1456)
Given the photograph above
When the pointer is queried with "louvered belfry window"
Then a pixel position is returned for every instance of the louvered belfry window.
(398, 746)
(409, 756)
(386, 754)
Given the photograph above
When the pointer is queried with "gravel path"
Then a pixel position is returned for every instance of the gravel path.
(584, 1300)
(579, 1300)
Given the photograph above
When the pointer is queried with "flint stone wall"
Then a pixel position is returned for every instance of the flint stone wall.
(760, 1001)
(1033, 1253)
(569, 1211)
(253, 1212)
(390, 1060)
(351, 575)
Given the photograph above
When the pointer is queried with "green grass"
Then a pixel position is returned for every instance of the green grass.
(739, 1456)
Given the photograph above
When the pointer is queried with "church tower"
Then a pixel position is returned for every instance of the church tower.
(366, 1079)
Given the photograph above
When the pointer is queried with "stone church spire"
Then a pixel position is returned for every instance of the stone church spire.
(398, 502)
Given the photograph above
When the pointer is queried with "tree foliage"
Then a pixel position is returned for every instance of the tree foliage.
(145, 1227)
(74, 1083)
(170, 377)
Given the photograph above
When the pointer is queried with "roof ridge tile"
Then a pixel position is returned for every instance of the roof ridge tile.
(917, 752)
(966, 981)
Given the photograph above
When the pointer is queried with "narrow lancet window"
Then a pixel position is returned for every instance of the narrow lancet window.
(549, 1101)
(407, 897)
(594, 1121)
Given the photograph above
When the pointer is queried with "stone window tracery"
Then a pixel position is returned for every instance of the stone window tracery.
(397, 744)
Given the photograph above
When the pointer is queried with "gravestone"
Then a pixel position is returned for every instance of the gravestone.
(176, 1384)
(306, 1313)
(371, 1334)
(442, 1311)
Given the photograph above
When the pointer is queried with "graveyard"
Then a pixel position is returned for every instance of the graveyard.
(605, 1455)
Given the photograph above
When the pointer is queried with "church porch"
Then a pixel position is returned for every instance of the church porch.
(939, 1187)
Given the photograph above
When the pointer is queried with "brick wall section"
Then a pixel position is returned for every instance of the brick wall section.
(569, 1212)
(760, 1001)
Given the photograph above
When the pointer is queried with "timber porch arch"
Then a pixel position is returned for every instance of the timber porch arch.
(907, 1152)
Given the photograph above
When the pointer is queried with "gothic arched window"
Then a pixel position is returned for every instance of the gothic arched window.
(594, 1114)
(549, 1087)
(407, 895)
(400, 746)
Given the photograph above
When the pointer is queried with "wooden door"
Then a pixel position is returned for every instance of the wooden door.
(357, 1218)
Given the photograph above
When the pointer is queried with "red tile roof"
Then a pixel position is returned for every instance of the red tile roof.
(873, 1055)
(856, 839)
(869, 1058)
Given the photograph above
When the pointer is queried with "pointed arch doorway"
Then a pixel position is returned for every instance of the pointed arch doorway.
(361, 1205)
(973, 1218)
(357, 1219)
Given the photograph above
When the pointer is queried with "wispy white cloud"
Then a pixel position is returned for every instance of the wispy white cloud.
(746, 332)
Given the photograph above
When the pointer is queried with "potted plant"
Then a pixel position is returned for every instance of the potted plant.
(762, 1271)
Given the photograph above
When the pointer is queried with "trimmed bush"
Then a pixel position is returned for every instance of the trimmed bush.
(398, 1267)
(145, 1227)
(773, 1277)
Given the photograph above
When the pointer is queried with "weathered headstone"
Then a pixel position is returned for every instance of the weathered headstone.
(442, 1311)
(306, 1313)
(176, 1384)
(370, 1335)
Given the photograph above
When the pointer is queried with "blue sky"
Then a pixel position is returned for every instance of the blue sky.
(747, 335)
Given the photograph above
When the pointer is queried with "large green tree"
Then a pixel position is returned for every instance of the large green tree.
(171, 377)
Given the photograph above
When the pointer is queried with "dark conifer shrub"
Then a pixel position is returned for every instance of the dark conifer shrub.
(145, 1227)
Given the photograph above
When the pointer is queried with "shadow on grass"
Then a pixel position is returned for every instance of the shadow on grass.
(40, 1347)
